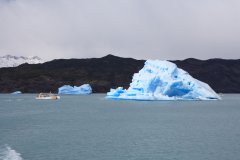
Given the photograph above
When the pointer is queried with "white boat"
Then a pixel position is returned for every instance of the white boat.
(49, 96)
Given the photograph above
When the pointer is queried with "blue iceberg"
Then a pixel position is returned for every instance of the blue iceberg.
(17, 92)
(163, 80)
(83, 89)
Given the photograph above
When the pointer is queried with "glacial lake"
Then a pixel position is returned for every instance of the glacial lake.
(93, 128)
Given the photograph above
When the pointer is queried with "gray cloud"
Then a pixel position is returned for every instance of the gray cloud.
(144, 29)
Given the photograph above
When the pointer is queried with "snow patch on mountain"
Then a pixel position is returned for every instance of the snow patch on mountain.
(14, 61)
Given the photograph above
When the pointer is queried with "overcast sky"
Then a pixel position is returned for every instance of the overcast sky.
(142, 29)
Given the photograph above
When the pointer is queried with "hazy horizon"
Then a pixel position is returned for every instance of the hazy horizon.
(140, 29)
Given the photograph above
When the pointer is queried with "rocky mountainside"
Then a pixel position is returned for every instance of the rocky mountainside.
(13, 61)
(110, 72)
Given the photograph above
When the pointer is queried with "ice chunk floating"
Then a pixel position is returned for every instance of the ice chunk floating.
(17, 92)
(162, 80)
(83, 89)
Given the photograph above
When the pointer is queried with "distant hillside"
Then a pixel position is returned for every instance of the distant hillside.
(110, 72)
(13, 61)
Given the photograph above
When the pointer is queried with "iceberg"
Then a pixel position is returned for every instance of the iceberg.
(17, 92)
(83, 89)
(163, 80)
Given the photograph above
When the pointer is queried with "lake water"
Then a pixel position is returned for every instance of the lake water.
(93, 128)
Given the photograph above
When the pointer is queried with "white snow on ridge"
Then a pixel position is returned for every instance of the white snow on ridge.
(14, 61)
(162, 80)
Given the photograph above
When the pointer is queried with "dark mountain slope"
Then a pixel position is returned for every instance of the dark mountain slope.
(109, 72)
(101, 73)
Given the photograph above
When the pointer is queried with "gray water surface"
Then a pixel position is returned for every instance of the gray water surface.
(93, 128)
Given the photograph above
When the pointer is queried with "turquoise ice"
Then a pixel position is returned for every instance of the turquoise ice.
(163, 80)
(83, 89)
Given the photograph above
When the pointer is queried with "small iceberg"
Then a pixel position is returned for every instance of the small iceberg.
(83, 89)
(17, 92)
(163, 80)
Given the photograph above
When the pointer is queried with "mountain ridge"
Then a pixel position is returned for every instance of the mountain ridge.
(110, 72)
(14, 61)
